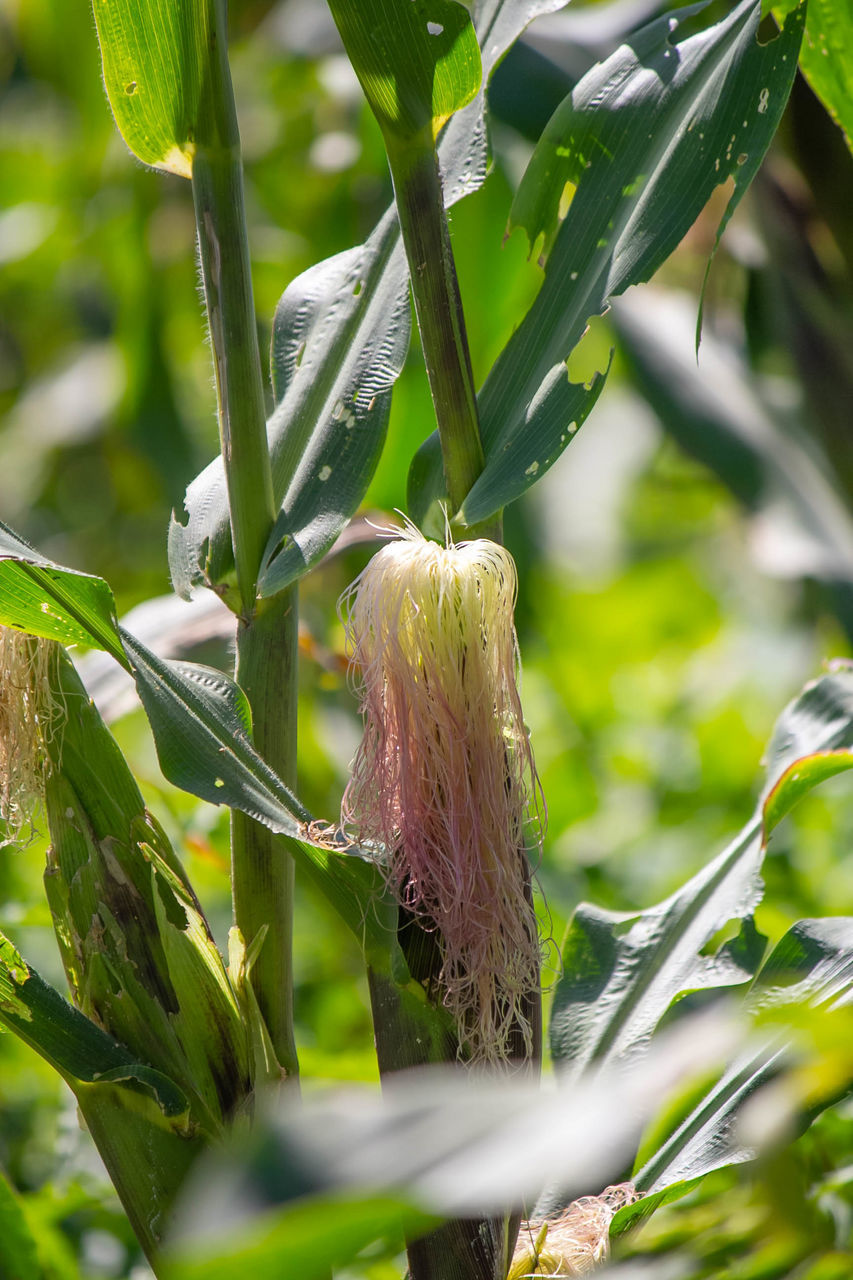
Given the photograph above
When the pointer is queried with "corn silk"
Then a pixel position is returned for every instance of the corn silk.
(444, 779)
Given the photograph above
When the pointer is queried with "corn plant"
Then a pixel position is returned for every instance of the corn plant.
(175, 1055)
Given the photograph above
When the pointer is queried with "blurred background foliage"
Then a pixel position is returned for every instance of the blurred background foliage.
(684, 569)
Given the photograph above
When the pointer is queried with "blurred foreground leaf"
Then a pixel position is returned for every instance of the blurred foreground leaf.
(435, 1140)
(18, 1247)
(304, 1240)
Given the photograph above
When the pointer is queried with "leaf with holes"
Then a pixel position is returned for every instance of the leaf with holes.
(340, 337)
(622, 170)
(155, 56)
(201, 724)
(418, 61)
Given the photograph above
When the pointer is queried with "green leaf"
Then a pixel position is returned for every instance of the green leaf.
(418, 61)
(303, 1239)
(73, 1045)
(333, 397)
(200, 720)
(622, 970)
(201, 723)
(18, 1247)
(799, 779)
(826, 58)
(628, 160)
(155, 56)
(46, 600)
(811, 965)
(818, 720)
(137, 951)
(340, 337)
(137, 1116)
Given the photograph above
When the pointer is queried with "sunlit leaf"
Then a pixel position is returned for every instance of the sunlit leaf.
(155, 56)
(333, 395)
(624, 167)
(80, 1051)
(826, 58)
(201, 723)
(418, 60)
(45, 599)
(799, 779)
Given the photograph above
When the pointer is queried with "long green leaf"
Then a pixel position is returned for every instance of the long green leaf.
(155, 58)
(621, 970)
(340, 337)
(138, 1117)
(200, 720)
(202, 724)
(634, 152)
(801, 778)
(73, 1045)
(811, 965)
(137, 951)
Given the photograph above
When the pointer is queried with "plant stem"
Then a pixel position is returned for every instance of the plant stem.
(262, 868)
(217, 180)
(438, 306)
(261, 865)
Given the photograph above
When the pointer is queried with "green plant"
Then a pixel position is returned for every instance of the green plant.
(165, 1048)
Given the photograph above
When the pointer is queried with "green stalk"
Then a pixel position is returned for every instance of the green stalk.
(262, 869)
(261, 865)
(438, 307)
(217, 180)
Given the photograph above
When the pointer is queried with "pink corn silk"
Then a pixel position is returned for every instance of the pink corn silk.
(445, 775)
